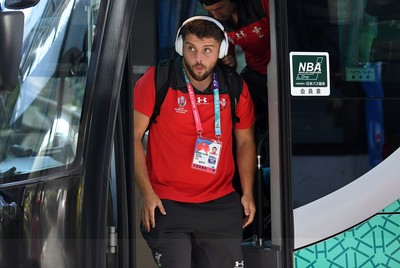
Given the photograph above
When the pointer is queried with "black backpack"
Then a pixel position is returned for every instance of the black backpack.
(164, 72)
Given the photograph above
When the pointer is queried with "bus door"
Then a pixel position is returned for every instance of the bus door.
(338, 74)
(63, 197)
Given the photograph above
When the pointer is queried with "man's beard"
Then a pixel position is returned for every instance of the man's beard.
(197, 77)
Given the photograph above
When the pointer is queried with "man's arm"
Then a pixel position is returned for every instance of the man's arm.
(150, 200)
(246, 161)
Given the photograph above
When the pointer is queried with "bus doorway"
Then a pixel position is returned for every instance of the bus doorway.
(271, 245)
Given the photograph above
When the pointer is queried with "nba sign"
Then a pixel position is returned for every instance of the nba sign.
(309, 74)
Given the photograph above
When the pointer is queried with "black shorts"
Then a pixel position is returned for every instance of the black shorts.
(202, 235)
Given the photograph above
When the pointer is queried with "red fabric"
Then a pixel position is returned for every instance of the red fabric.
(253, 35)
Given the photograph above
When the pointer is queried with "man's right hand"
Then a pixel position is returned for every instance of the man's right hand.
(150, 202)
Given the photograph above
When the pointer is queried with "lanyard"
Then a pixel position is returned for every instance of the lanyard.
(195, 111)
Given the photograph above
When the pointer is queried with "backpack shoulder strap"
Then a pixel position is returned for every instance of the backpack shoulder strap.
(162, 81)
(235, 84)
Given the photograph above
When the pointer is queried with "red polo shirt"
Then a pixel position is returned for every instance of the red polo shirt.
(172, 138)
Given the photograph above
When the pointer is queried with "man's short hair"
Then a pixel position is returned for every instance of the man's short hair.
(212, 2)
(209, 2)
(203, 29)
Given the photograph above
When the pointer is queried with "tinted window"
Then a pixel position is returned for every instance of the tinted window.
(338, 138)
(40, 119)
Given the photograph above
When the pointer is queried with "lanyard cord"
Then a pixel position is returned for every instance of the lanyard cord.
(195, 111)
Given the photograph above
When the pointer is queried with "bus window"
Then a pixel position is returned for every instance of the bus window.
(338, 138)
(40, 118)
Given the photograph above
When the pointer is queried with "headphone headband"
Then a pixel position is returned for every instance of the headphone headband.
(223, 49)
(204, 18)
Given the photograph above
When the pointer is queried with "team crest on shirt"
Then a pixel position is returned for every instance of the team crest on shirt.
(240, 35)
(223, 103)
(257, 30)
(181, 105)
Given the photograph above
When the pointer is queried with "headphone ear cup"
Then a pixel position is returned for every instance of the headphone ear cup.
(223, 49)
(179, 44)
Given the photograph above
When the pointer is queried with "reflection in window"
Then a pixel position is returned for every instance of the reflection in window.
(40, 119)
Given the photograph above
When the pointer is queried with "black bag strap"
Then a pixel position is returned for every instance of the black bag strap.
(162, 77)
(235, 87)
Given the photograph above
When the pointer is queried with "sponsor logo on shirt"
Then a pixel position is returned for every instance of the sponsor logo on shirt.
(239, 264)
(202, 100)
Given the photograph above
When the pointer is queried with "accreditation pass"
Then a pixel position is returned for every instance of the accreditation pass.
(206, 154)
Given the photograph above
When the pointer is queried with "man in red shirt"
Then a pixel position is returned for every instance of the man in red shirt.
(247, 25)
(191, 213)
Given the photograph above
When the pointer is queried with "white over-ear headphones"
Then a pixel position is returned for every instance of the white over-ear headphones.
(223, 49)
